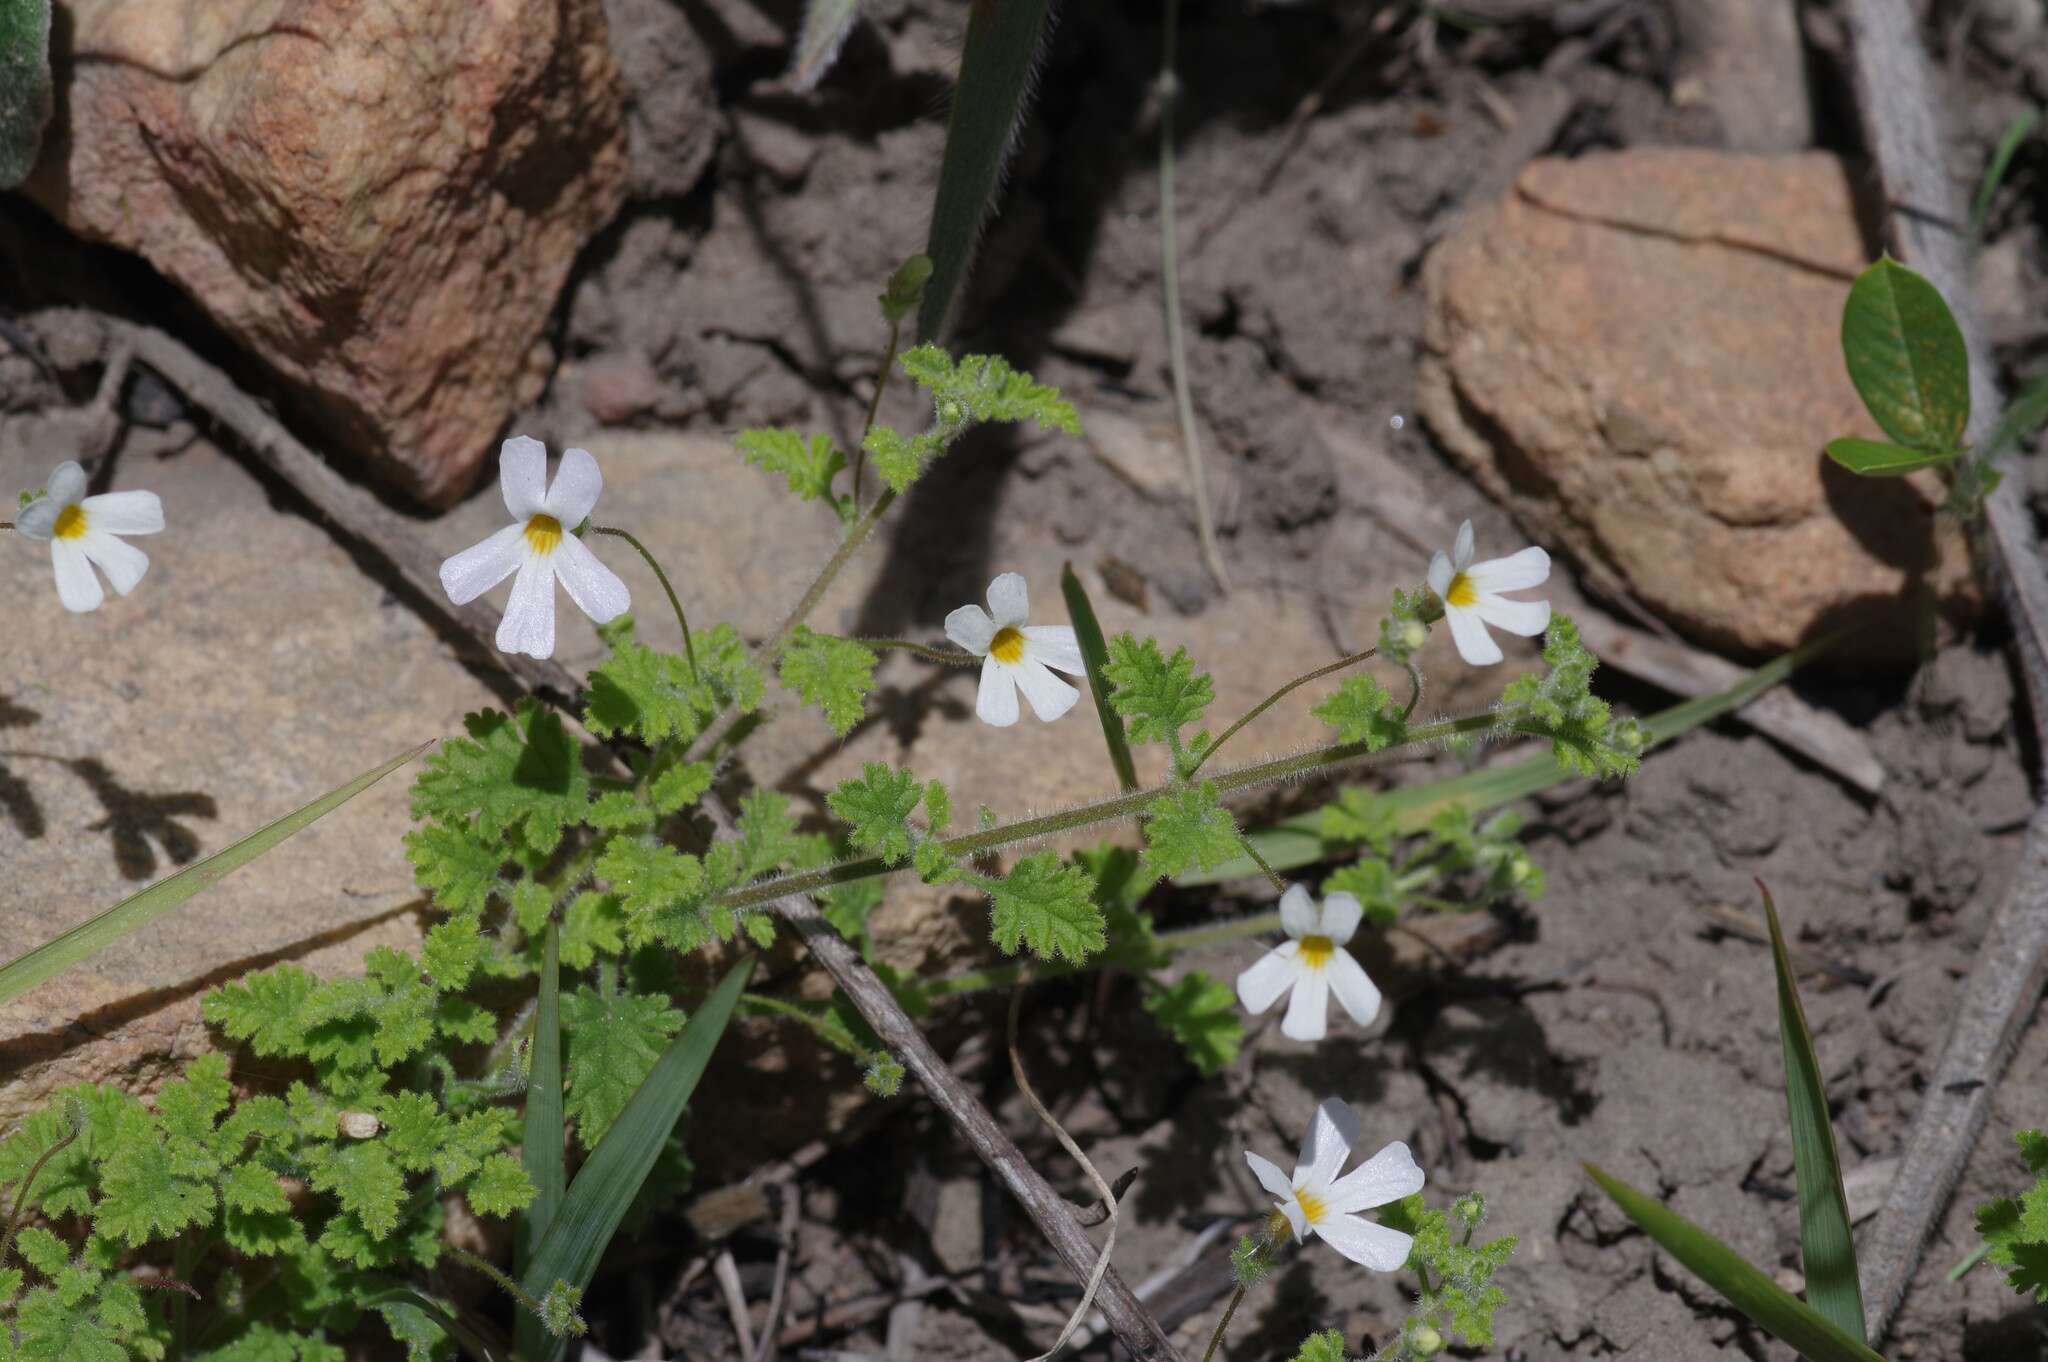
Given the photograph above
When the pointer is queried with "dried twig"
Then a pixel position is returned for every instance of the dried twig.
(1895, 94)
(358, 515)
(726, 1273)
(792, 1201)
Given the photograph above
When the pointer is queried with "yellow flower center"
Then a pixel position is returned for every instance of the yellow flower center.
(1311, 1205)
(1007, 645)
(1317, 950)
(70, 523)
(544, 533)
(1462, 592)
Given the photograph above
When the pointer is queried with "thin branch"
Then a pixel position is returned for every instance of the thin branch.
(1277, 696)
(1895, 94)
(682, 620)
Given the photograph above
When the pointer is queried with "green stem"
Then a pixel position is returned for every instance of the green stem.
(1276, 697)
(951, 656)
(1105, 810)
(1216, 1339)
(1272, 877)
(855, 537)
(796, 1012)
(882, 376)
(495, 1273)
(1173, 943)
(675, 604)
(1169, 269)
(27, 1186)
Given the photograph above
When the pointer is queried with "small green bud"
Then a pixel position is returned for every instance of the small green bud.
(1414, 634)
(884, 1077)
(1426, 1342)
(1469, 1210)
(906, 288)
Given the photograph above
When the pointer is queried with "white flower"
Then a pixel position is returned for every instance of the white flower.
(1317, 1201)
(1471, 595)
(81, 529)
(1015, 656)
(539, 545)
(1314, 963)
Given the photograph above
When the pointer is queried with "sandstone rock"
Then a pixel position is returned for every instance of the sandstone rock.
(382, 202)
(1638, 354)
(254, 669)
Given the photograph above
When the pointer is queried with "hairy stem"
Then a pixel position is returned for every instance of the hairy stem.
(855, 537)
(1173, 943)
(27, 1186)
(1216, 1339)
(1169, 270)
(860, 451)
(1105, 810)
(1277, 696)
(950, 656)
(689, 652)
(1272, 876)
(495, 1273)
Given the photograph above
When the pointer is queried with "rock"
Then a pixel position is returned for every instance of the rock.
(1639, 355)
(254, 669)
(671, 106)
(389, 235)
(1744, 61)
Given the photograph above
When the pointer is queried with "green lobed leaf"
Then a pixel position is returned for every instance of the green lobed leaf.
(1188, 828)
(1827, 1247)
(520, 773)
(2015, 1230)
(614, 1037)
(1768, 1305)
(605, 1188)
(655, 697)
(1876, 459)
(24, 972)
(1905, 355)
(1327, 1346)
(1363, 710)
(878, 804)
(1157, 695)
(1203, 1015)
(1047, 905)
(1095, 655)
(808, 465)
(832, 673)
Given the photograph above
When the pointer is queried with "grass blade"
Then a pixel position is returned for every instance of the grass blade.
(23, 973)
(996, 64)
(1773, 1309)
(465, 1338)
(2016, 133)
(1827, 1250)
(598, 1199)
(1298, 841)
(1096, 654)
(542, 1146)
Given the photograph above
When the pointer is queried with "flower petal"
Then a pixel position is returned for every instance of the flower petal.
(578, 483)
(1331, 1135)
(123, 563)
(1530, 567)
(67, 483)
(478, 568)
(1298, 915)
(125, 512)
(38, 519)
(595, 588)
(1055, 646)
(77, 588)
(1272, 974)
(1475, 645)
(1050, 697)
(1342, 913)
(1308, 1010)
(523, 476)
(1461, 550)
(1291, 1208)
(1440, 575)
(1008, 601)
(1385, 1177)
(529, 623)
(1353, 987)
(1527, 618)
(1269, 1175)
(1365, 1243)
(996, 702)
(972, 629)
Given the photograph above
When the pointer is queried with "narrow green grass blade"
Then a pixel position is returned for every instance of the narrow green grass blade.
(2016, 134)
(1773, 1309)
(1827, 1250)
(1298, 841)
(1096, 654)
(598, 1199)
(19, 975)
(465, 1338)
(541, 1145)
(996, 64)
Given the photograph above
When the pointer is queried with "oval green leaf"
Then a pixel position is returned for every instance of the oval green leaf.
(1876, 459)
(1906, 357)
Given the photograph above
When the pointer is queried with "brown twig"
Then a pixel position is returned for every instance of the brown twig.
(1895, 94)
(358, 515)
(792, 1203)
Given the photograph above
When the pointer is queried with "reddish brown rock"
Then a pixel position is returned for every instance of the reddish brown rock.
(381, 201)
(1639, 355)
